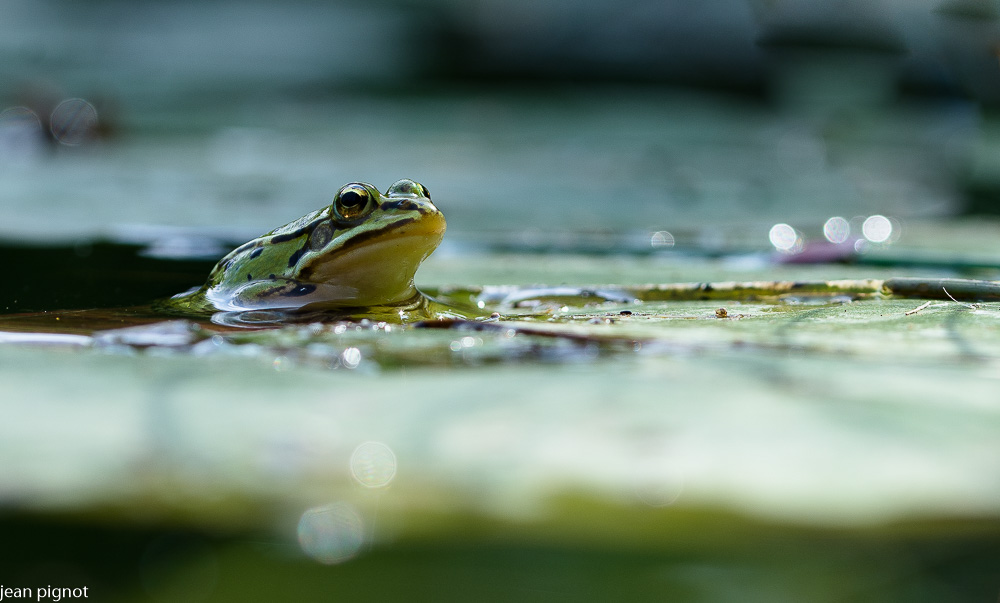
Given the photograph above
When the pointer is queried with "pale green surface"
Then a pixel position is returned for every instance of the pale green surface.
(712, 169)
(843, 414)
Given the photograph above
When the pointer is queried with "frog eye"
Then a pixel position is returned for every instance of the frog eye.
(353, 202)
(407, 188)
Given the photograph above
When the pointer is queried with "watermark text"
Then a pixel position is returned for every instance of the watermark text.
(42, 593)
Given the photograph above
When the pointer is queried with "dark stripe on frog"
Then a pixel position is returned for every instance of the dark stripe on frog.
(291, 289)
(295, 257)
(404, 204)
(280, 238)
(241, 249)
(221, 267)
(302, 289)
(360, 239)
(298, 232)
(320, 233)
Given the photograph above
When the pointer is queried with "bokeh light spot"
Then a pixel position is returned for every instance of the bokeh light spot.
(21, 134)
(661, 238)
(373, 464)
(20, 117)
(73, 121)
(877, 229)
(466, 342)
(837, 229)
(332, 533)
(785, 238)
(351, 358)
(662, 493)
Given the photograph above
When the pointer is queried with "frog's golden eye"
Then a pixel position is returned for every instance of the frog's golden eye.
(407, 188)
(353, 202)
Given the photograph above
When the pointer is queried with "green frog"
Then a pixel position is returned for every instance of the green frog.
(356, 257)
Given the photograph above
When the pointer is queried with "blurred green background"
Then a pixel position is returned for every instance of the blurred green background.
(520, 116)
(567, 141)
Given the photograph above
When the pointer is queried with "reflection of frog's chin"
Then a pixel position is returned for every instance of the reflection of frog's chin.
(413, 309)
(287, 296)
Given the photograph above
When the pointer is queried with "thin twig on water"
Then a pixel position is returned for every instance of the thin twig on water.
(918, 308)
(969, 306)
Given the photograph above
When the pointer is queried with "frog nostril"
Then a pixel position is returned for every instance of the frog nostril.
(407, 187)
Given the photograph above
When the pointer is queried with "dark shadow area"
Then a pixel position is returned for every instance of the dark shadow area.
(134, 563)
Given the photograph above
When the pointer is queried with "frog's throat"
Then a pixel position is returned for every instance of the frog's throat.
(380, 268)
